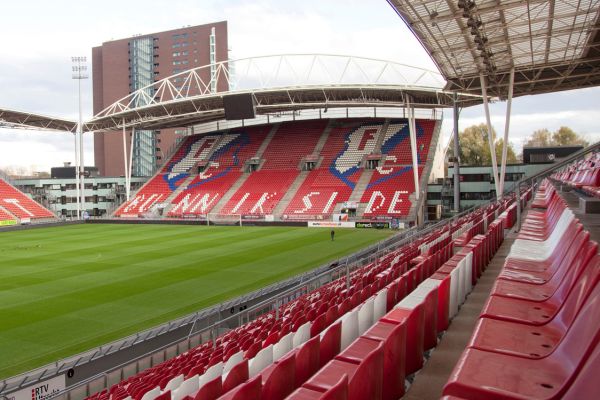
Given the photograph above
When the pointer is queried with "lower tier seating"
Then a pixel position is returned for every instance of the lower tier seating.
(261, 192)
(356, 337)
(389, 190)
(20, 205)
(538, 334)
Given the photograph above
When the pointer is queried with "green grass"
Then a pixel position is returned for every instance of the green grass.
(64, 290)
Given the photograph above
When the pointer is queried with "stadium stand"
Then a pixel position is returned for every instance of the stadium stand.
(264, 188)
(355, 337)
(324, 187)
(223, 169)
(539, 329)
(583, 175)
(339, 166)
(20, 205)
(4, 216)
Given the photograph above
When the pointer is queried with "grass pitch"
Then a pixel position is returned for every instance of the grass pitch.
(64, 290)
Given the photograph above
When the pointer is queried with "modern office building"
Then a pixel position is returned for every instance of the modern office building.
(122, 66)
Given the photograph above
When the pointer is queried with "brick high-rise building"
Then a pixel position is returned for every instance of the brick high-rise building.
(120, 67)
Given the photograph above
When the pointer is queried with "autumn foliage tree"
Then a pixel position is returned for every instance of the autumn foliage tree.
(475, 149)
(564, 136)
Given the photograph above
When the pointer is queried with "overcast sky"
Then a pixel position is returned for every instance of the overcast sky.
(39, 38)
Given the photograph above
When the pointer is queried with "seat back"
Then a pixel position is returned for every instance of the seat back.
(211, 390)
(233, 361)
(367, 382)
(349, 328)
(330, 343)
(581, 289)
(283, 346)
(365, 316)
(581, 340)
(281, 381)
(318, 325)
(262, 359)
(237, 375)
(307, 360)
(188, 387)
(250, 390)
(301, 335)
(339, 391)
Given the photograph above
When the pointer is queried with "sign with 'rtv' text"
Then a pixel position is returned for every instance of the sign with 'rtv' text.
(40, 391)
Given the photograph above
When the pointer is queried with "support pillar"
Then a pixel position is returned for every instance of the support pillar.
(413, 146)
(81, 168)
(76, 175)
(412, 128)
(456, 157)
(506, 129)
(490, 135)
(130, 164)
(125, 160)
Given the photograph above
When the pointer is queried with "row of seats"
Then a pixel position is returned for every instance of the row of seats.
(257, 358)
(375, 364)
(538, 334)
(20, 205)
(583, 175)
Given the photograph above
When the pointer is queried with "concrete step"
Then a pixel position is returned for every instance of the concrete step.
(229, 194)
(267, 140)
(359, 190)
(176, 193)
(291, 192)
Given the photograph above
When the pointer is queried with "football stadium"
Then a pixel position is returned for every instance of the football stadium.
(269, 236)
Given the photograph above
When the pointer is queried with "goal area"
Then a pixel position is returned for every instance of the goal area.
(224, 219)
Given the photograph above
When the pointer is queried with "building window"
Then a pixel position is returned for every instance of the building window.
(176, 54)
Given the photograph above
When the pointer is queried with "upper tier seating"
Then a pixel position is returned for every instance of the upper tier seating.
(539, 329)
(19, 204)
(356, 340)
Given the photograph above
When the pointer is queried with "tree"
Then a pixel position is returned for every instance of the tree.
(564, 136)
(475, 149)
(540, 138)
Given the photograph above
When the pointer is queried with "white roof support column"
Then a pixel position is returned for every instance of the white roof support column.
(490, 135)
(130, 163)
(76, 137)
(125, 160)
(506, 129)
(413, 144)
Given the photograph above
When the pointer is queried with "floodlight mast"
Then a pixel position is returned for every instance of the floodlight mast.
(79, 73)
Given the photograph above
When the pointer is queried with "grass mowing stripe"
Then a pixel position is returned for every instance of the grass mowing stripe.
(66, 289)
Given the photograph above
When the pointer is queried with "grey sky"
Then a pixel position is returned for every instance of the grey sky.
(39, 37)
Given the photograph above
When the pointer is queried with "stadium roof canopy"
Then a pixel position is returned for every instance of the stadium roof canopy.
(553, 45)
(26, 120)
(280, 83)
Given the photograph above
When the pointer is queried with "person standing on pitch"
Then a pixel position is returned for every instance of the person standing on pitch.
(332, 234)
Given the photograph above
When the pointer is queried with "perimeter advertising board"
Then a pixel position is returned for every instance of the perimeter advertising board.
(330, 224)
(40, 391)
